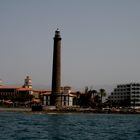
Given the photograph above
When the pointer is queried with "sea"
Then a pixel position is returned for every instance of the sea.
(68, 126)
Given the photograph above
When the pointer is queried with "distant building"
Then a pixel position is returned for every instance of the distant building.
(28, 82)
(27, 95)
(126, 95)
(66, 98)
(17, 94)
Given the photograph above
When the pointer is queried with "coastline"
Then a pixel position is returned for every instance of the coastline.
(12, 109)
(65, 110)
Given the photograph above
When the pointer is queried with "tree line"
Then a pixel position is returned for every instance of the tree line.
(91, 98)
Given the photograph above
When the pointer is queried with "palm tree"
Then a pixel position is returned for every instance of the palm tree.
(102, 94)
(94, 92)
(86, 90)
(85, 99)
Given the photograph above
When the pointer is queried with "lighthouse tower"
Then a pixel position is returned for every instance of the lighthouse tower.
(56, 70)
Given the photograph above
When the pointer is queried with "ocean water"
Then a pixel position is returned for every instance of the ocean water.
(37, 126)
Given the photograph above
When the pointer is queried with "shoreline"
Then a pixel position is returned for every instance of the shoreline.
(12, 109)
(67, 111)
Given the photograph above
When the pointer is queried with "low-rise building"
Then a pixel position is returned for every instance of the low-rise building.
(66, 97)
(26, 94)
(17, 95)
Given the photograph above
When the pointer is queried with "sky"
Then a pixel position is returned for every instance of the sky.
(100, 41)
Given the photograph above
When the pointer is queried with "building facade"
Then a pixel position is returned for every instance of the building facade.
(126, 95)
(66, 97)
(18, 95)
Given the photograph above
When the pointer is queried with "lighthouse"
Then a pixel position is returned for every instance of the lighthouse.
(56, 71)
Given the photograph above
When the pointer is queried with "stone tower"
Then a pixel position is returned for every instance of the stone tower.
(56, 70)
(27, 82)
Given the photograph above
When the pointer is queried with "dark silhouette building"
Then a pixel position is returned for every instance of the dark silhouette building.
(56, 70)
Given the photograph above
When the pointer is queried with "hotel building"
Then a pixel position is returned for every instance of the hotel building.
(126, 95)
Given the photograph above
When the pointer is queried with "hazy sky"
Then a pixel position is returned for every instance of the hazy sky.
(100, 41)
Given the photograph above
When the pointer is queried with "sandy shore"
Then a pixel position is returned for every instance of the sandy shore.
(15, 109)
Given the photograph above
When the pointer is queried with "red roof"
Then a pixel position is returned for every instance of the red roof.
(72, 95)
(47, 93)
(42, 91)
(16, 88)
(8, 87)
(24, 89)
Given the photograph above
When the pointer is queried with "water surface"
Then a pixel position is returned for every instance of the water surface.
(33, 126)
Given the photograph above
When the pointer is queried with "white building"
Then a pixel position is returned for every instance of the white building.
(126, 95)
(67, 98)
